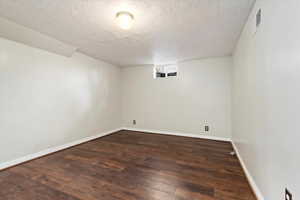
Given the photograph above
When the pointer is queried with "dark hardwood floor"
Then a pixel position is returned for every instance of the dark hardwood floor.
(131, 166)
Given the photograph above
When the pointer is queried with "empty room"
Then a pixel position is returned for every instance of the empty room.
(149, 99)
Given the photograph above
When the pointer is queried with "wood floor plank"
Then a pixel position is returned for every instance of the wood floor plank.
(131, 165)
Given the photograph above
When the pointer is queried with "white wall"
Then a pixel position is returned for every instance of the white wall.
(48, 100)
(200, 94)
(266, 98)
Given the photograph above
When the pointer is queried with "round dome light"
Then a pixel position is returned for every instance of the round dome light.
(125, 20)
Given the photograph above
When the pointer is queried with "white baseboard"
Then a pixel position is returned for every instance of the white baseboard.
(193, 135)
(53, 149)
(252, 183)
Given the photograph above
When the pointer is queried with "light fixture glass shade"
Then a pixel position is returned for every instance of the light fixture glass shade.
(125, 20)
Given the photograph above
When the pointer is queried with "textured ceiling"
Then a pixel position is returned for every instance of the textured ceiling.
(164, 31)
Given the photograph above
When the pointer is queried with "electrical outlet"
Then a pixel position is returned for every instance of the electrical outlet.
(258, 18)
(134, 122)
(206, 128)
(288, 195)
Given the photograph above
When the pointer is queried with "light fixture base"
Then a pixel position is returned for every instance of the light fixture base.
(124, 13)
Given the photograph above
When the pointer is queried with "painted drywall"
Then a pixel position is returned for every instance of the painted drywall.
(49, 100)
(266, 99)
(15, 32)
(200, 95)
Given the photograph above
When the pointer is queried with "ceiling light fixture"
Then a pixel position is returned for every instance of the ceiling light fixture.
(125, 20)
